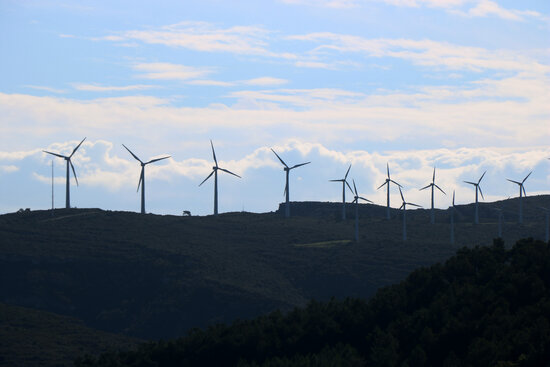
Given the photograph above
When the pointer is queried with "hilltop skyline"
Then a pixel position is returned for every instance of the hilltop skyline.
(460, 84)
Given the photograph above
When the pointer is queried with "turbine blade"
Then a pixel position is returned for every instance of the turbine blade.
(401, 192)
(213, 153)
(133, 155)
(433, 178)
(388, 169)
(418, 206)
(517, 183)
(74, 172)
(157, 159)
(211, 173)
(355, 200)
(347, 172)
(382, 185)
(286, 189)
(523, 188)
(439, 188)
(283, 162)
(231, 173)
(354, 187)
(471, 183)
(453, 198)
(140, 177)
(367, 200)
(526, 177)
(78, 146)
(336, 180)
(299, 165)
(396, 183)
(402, 206)
(57, 155)
(425, 187)
(481, 178)
(481, 192)
(350, 189)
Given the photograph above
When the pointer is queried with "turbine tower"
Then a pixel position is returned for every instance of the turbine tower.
(404, 206)
(142, 176)
(344, 183)
(69, 163)
(521, 194)
(478, 188)
(356, 199)
(453, 220)
(433, 185)
(215, 173)
(387, 182)
(287, 188)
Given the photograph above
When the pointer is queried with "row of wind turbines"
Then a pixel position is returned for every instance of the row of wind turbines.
(356, 197)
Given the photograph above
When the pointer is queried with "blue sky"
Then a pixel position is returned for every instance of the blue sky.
(460, 84)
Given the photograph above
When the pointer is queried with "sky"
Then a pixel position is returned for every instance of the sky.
(460, 85)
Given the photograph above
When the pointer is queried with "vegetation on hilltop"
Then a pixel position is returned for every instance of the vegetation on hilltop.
(485, 306)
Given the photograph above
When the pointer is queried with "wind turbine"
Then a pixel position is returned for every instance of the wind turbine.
(404, 206)
(69, 163)
(344, 183)
(453, 220)
(521, 194)
(287, 188)
(356, 201)
(142, 175)
(433, 185)
(215, 173)
(478, 188)
(387, 182)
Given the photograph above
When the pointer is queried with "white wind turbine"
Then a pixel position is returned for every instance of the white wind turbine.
(521, 194)
(478, 188)
(215, 173)
(344, 183)
(142, 175)
(404, 206)
(69, 163)
(356, 199)
(287, 170)
(387, 182)
(433, 185)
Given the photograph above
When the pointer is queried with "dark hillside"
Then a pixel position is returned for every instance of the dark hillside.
(153, 276)
(484, 307)
(36, 338)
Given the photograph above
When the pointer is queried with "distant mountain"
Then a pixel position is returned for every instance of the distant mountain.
(152, 276)
(484, 307)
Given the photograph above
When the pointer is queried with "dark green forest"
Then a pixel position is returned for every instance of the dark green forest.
(485, 306)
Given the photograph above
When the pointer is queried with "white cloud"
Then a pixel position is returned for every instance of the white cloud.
(9, 168)
(168, 71)
(484, 8)
(423, 52)
(103, 88)
(47, 89)
(480, 8)
(215, 83)
(205, 37)
(266, 80)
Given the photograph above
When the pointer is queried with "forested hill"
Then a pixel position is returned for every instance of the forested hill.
(485, 306)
